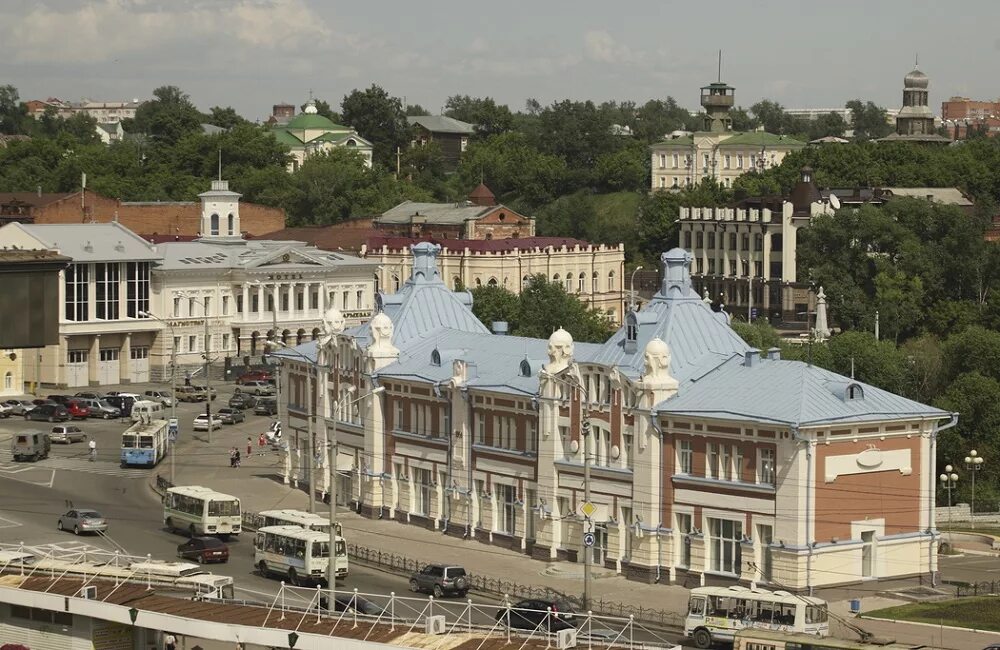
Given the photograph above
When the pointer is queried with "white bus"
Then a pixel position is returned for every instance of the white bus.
(199, 510)
(717, 613)
(183, 577)
(298, 554)
(301, 518)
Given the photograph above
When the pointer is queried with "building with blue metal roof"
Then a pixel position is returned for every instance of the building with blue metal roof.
(708, 461)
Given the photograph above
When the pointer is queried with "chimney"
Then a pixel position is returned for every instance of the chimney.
(499, 327)
(774, 354)
(751, 358)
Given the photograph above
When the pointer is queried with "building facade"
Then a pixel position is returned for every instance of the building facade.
(915, 120)
(103, 112)
(479, 217)
(451, 135)
(717, 152)
(710, 462)
(309, 133)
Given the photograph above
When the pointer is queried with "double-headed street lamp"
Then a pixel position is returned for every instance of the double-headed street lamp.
(973, 463)
(949, 481)
(173, 381)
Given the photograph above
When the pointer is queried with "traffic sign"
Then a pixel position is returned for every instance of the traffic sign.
(172, 430)
(588, 509)
(753, 313)
(588, 539)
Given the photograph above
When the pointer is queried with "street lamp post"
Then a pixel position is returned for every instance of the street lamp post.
(173, 381)
(331, 424)
(949, 481)
(207, 357)
(631, 284)
(973, 463)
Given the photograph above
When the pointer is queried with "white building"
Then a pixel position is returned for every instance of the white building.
(310, 133)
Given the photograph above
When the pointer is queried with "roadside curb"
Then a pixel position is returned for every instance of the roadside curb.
(934, 625)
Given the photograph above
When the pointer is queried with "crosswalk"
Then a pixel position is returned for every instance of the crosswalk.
(82, 464)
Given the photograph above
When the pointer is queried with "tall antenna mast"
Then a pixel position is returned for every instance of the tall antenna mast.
(720, 66)
(220, 163)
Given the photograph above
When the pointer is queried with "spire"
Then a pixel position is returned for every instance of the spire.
(720, 66)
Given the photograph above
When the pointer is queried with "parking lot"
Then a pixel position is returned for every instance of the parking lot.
(107, 433)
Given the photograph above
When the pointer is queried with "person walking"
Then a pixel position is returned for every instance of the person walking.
(232, 456)
(93, 449)
(169, 642)
(261, 443)
(237, 458)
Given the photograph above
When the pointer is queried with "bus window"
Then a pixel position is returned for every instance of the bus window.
(739, 608)
(696, 607)
(223, 508)
(718, 606)
(321, 549)
(341, 548)
(762, 611)
(815, 614)
(145, 442)
(785, 614)
(128, 441)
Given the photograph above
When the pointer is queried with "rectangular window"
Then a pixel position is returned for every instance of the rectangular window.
(239, 304)
(531, 437)
(206, 307)
(737, 463)
(685, 457)
(445, 421)
(725, 545)
(676, 161)
(758, 242)
(177, 343)
(700, 265)
(732, 241)
(711, 241)
(663, 160)
(299, 301)
(269, 302)
(76, 356)
(711, 460)
(507, 498)
(687, 240)
(177, 307)
(626, 451)
(758, 269)
(358, 299)
(699, 240)
(225, 342)
(711, 266)
(190, 307)
(343, 300)
(225, 305)
(422, 481)
(397, 422)
(136, 288)
(684, 526)
(480, 428)
(745, 243)
(739, 161)
(725, 459)
(314, 300)
(732, 267)
(284, 301)
(192, 344)
(106, 276)
(765, 466)
(728, 159)
(705, 165)
(745, 268)
(77, 292)
(255, 303)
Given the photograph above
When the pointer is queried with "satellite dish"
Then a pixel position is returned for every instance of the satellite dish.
(834, 202)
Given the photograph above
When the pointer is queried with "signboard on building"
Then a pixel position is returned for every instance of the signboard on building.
(111, 636)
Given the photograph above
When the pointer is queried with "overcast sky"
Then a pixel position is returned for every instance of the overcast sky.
(251, 54)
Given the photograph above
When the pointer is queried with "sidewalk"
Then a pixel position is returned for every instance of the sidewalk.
(258, 484)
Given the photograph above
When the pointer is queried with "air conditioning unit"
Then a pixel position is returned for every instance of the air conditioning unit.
(434, 625)
(90, 593)
(566, 639)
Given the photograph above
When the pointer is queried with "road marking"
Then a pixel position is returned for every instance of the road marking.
(81, 464)
(10, 523)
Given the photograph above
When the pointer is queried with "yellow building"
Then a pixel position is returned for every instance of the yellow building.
(11, 373)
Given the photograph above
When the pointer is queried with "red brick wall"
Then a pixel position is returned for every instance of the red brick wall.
(149, 219)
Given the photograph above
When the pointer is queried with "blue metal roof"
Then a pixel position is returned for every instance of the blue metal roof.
(789, 393)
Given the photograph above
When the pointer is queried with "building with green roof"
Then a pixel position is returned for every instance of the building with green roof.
(309, 133)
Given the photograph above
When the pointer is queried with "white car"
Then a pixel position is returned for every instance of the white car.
(201, 422)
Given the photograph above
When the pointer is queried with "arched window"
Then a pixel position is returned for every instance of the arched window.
(351, 143)
(315, 333)
(611, 281)
(524, 281)
(213, 226)
(284, 336)
(300, 336)
(456, 283)
(580, 285)
(555, 279)
(376, 282)
(492, 282)
(479, 283)
(569, 283)
(593, 283)
(8, 380)
(395, 283)
(232, 224)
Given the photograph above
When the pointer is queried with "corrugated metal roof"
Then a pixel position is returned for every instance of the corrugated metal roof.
(91, 242)
(445, 213)
(247, 254)
(442, 124)
(789, 393)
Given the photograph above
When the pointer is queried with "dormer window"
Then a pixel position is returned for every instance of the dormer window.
(631, 331)
(855, 391)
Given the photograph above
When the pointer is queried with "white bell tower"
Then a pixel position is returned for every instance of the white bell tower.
(220, 212)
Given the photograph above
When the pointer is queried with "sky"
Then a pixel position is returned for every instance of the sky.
(251, 54)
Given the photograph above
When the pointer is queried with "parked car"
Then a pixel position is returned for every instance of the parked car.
(101, 408)
(231, 415)
(201, 422)
(258, 388)
(164, 397)
(77, 410)
(48, 411)
(189, 394)
(266, 406)
(30, 445)
(42, 400)
(440, 580)
(67, 433)
(89, 395)
(204, 549)
(6, 411)
(59, 399)
(254, 375)
(121, 402)
(242, 401)
(352, 604)
(534, 614)
(19, 406)
(205, 391)
(83, 521)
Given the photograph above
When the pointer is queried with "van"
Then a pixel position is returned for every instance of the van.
(162, 396)
(30, 445)
(147, 410)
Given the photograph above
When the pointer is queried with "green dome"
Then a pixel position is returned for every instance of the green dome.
(311, 121)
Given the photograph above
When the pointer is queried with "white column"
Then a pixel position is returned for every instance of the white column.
(260, 302)
(246, 301)
(292, 310)
(321, 289)
(276, 299)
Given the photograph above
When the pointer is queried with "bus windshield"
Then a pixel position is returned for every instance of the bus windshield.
(223, 508)
(321, 549)
(145, 442)
(341, 548)
(815, 614)
(128, 441)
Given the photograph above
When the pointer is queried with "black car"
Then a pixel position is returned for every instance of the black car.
(440, 580)
(230, 415)
(204, 549)
(48, 412)
(353, 604)
(242, 401)
(60, 399)
(533, 614)
(266, 407)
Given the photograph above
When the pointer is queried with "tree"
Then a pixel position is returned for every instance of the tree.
(225, 118)
(868, 120)
(625, 169)
(657, 118)
(416, 109)
(742, 120)
(486, 115)
(13, 113)
(899, 299)
(492, 304)
(830, 124)
(513, 168)
(656, 225)
(169, 116)
(380, 119)
(81, 126)
(577, 132)
(874, 362)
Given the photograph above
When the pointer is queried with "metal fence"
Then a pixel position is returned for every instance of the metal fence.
(983, 588)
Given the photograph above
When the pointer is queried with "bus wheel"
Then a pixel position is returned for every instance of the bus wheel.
(293, 578)
(702, 638)
(262, 568)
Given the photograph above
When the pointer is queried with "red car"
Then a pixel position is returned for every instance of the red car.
(255, 375)
(77, 411)
(204, 549)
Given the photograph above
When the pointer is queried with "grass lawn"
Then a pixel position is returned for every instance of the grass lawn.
(981, 613)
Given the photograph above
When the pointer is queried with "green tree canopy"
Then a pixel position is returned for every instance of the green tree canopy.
(380, 119)
(484, 113)
(169, 116)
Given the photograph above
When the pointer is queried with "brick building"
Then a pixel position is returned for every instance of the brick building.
(480, 217)
(448, 133)
(180, 218)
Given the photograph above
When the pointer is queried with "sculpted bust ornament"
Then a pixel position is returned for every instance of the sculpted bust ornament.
(333, 324)
(560, 351)
(657, 372)
(382, 329)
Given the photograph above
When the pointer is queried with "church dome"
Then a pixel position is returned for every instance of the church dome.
(915, 79)
(561, 337)
(312, 121)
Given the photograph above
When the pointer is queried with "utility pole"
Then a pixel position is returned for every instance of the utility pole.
(173, 396)
(331, 570)
(750, 297)
(208, 378)
(587, 550)
(398, 157)
(876, 325)
(312, 457)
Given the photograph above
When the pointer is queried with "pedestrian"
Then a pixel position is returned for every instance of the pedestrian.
(261, 443)
(169, 641)
(93, 449)
(232, 456)
(249, 446)
(237, 458)
(187, 378)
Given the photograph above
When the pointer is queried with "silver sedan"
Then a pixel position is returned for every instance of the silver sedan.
(83, 521)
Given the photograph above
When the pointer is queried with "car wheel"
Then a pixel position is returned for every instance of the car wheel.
(262, 568)
(438, 591)
(59, 525)
(702, 638)
(201, 559)
(462, 593)
(76, 530)
(52, 418)
(414, 587)
(107, 416)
